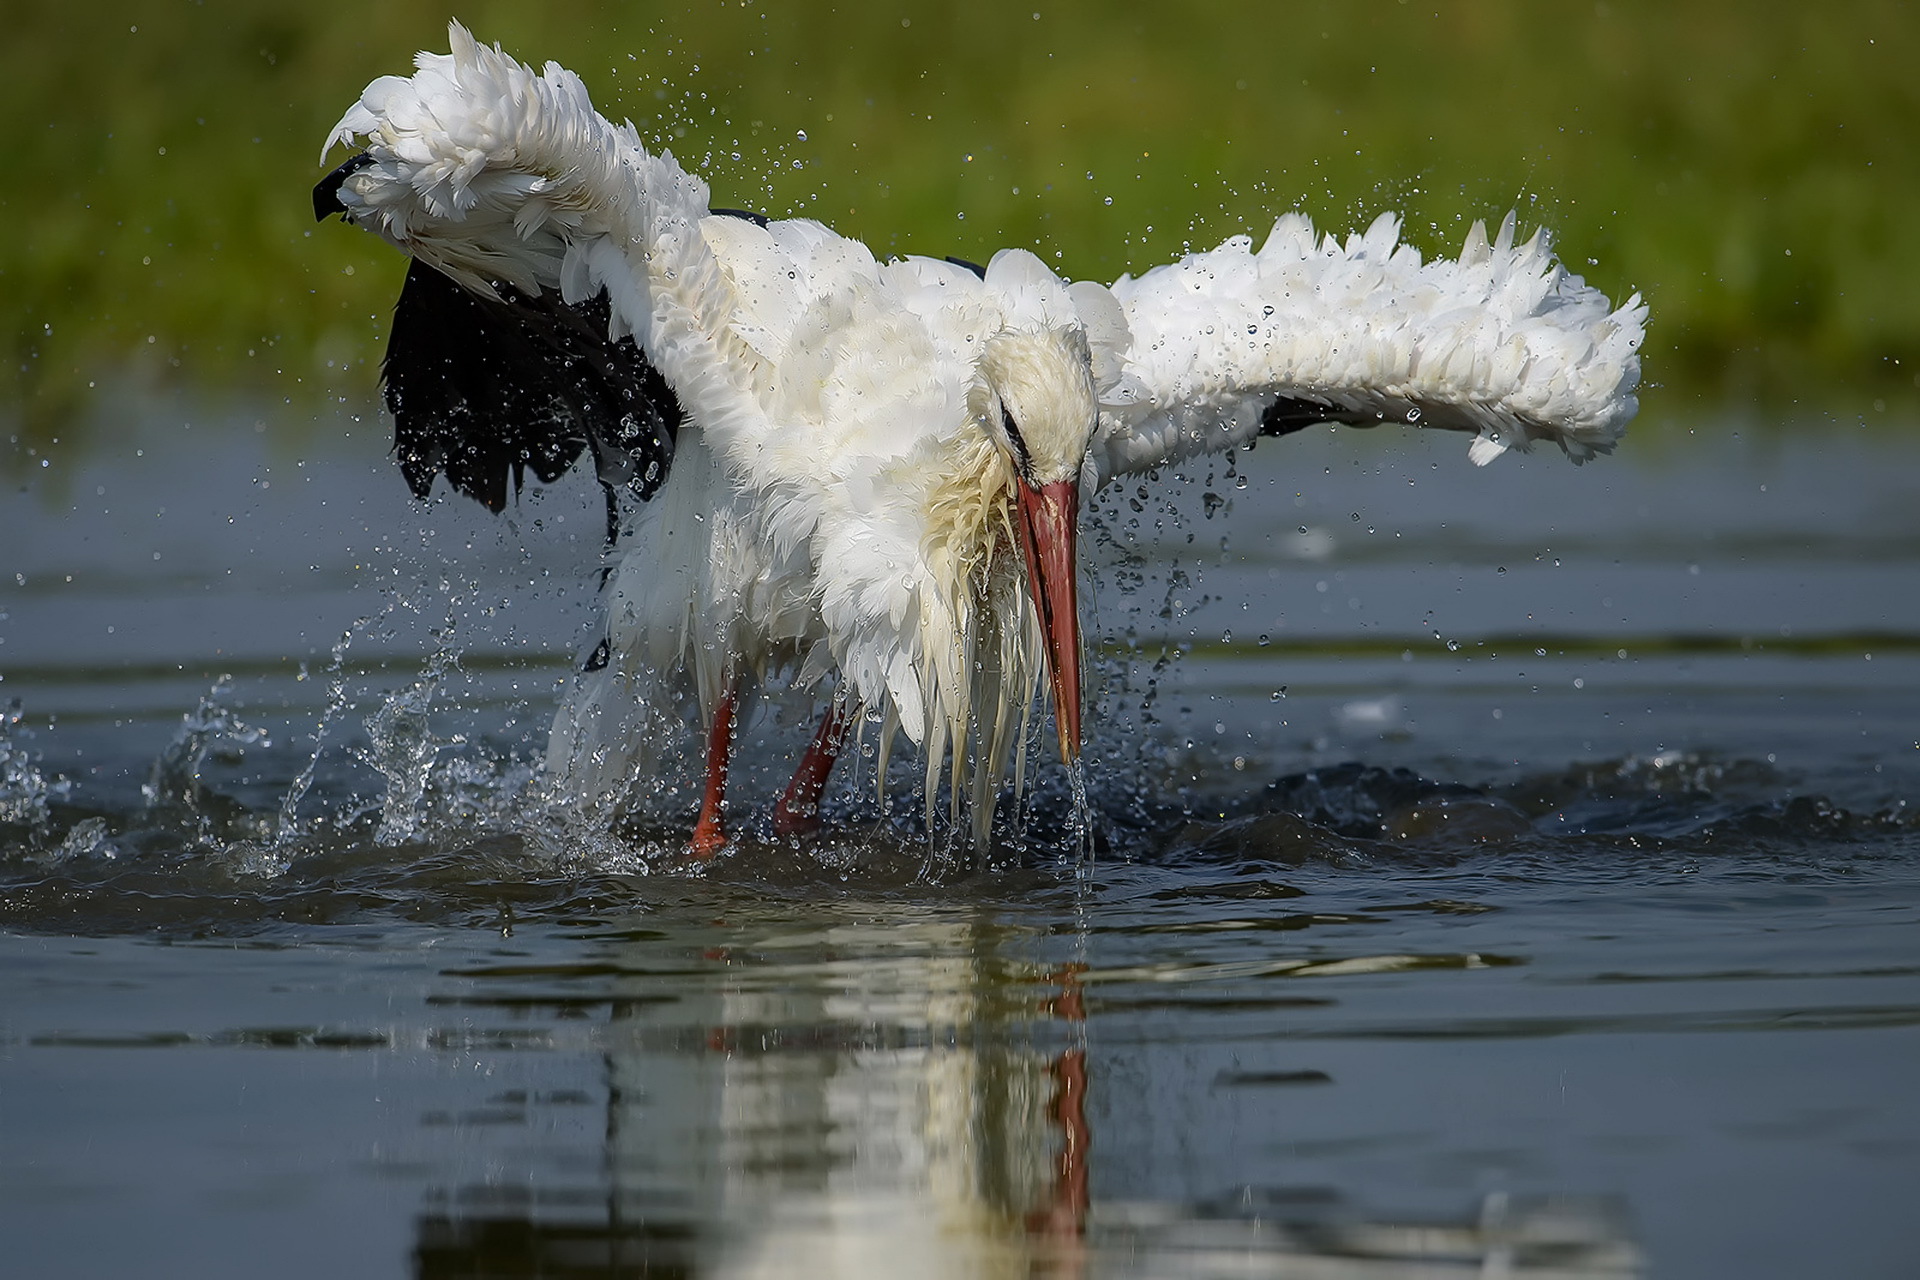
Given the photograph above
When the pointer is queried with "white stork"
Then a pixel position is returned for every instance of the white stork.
(873, 470)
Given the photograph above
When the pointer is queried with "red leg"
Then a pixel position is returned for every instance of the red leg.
(799, 809)
(709, 834)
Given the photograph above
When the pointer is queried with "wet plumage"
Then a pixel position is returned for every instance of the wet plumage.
(868, 473)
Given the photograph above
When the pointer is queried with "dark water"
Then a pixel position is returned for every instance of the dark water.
(1507, 872)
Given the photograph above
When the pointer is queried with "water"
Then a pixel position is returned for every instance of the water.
(1497, 873)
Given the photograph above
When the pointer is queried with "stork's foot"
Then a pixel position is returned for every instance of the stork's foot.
(709, 837)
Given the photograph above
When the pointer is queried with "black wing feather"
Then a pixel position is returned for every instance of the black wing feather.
(483, 390)
(1287, 415)
(326, 192)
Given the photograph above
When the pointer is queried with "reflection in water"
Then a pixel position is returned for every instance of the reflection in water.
(844, 1100)
(1061, 1222)
(907, 1095)
(1317, 1237)
(867, 1115)
(1622, 901)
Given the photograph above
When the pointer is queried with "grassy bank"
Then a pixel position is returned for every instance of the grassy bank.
(1747, 166)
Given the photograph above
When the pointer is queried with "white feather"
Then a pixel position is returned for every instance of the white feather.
(1502, 342)
(841, 497)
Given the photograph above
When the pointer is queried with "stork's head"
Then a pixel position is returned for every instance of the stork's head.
(1036, 401)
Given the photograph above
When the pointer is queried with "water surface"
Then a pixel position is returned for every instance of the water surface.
(1492, 869)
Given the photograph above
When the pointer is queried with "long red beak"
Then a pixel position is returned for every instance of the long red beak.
(1049, 525)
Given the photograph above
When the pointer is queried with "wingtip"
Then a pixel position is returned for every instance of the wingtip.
(326, 192)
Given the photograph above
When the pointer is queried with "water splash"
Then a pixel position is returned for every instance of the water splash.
(403, 750)
(288, 828)
(88, 838)
(178, 801)
(174, 788)
(1082, 821)
(25, 792)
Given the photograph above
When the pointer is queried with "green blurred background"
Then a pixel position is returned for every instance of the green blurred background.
(1747, 166)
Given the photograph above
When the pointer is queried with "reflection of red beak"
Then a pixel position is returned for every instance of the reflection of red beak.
(1049, 522)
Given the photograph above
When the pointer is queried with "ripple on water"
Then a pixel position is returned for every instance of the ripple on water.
(459, 829)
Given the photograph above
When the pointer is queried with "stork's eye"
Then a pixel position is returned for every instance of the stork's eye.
(1018, 441)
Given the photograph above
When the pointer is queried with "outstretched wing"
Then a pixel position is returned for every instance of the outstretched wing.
(497, 180)
(1221, 347)
(571, 288)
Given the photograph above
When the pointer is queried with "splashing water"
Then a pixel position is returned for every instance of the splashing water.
(288, 827)
(173, 785)
(403, 750)
(1604, 942)
(24, 790)
(1081, 821)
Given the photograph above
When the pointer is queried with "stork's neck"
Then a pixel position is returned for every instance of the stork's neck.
(969, 517)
